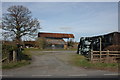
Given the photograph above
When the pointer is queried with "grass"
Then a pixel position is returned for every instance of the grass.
(81, 61)
(36, 49)
(15, 64)
(25, 61)
(29, 52)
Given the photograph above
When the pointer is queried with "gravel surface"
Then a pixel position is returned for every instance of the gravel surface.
(54, 64)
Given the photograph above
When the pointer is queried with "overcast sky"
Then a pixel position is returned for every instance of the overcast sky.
(79, 18)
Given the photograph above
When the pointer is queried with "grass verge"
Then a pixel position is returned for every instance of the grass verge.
(15, 64)
(26, 60)
(32, 51)
(36, 49)
(81, 61)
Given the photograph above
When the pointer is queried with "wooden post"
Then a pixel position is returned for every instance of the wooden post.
(65, 46)
(100, 48)
(107, 56)
(8, 58)
(107, 53)
(14, 56)
(91, 55)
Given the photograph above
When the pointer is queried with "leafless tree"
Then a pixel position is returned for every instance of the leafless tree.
(18, 22)
(41, 43)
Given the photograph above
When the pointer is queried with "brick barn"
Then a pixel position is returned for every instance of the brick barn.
(55, 40)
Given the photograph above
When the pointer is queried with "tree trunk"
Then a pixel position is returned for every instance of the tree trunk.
(18, 40)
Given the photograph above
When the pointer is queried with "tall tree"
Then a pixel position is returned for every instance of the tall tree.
(18, 22)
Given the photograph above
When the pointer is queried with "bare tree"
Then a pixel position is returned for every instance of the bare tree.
(41, 43)
(18, 22)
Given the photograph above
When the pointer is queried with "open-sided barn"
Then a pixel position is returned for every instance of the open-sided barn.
(55, 39)
(109, 41)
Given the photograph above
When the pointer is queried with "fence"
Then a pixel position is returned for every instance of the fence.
(3, 59)
(104, 56)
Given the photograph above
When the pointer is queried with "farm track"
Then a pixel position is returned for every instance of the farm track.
(55, 64)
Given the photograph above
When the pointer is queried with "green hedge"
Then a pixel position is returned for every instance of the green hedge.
(7, 48)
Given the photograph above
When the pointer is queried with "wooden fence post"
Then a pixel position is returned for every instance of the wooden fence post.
(91, 56)
(14, 56)
(107, 56)
(107, 53)
(8, 58)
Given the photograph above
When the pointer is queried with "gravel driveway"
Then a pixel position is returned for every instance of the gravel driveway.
(54, 64)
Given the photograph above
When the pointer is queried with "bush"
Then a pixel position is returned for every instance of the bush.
(7, 48)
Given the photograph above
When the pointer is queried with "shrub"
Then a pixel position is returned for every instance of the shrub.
(7, 48)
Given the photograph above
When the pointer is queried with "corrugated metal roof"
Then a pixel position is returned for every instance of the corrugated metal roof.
(55, 35)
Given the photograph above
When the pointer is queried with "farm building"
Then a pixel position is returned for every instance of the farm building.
(109, 41)
(55, 40)
(30, 44)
